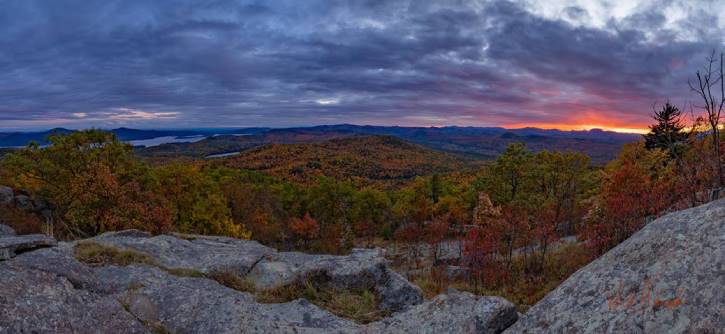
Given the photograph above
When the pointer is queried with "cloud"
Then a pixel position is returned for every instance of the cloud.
(185, 63)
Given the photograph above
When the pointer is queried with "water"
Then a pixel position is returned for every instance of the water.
(221, 155)
(166, 140)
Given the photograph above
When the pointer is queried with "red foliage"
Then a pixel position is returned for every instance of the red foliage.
(305, 228)
(436, 231)
(21, 221)
(480, 255)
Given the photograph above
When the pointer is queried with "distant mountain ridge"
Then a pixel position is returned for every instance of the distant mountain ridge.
(477, 142)
(16, 139)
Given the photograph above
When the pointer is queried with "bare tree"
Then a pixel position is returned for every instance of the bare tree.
(708, 80)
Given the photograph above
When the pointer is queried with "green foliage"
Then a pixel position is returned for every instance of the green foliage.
(198, 205)
(668, 132)
(93, 180)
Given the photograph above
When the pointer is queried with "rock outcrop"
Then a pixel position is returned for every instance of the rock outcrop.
(11, 244)
(6, 231)
(6, 195)
(267, 268)
(49, 290)
(443, 315)
(667, 278)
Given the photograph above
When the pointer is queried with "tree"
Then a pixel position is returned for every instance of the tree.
(435, 232)
(304, 229)
(667, 134)
(198, 205)
(639, 184)
(370, 213)
(505, 180)
(708, 81)
(94, 182)
(480, 256)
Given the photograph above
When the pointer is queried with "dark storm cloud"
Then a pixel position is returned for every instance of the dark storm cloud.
(278, 63)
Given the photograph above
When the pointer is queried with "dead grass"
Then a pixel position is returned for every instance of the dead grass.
(231, 280)
(95, 254)
(184, 272)
(360, 305)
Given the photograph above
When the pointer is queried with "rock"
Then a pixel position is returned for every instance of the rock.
(199, 305)
(23, 202)
(362, 269)
(6, 231)
(666, 278)
(202, 253)
(455, 272)
(13, 245)
(6, 195)
(36, 301)
(267, 268)
(70, 297)
(456, 312)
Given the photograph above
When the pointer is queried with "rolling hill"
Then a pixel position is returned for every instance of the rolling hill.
(360, 159)
(475, 142)
(479, 143)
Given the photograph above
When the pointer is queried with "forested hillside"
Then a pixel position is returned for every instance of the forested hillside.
(359, 159)
(480, 143)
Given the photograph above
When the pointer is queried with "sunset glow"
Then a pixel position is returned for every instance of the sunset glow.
(571, 65)
(578, 127)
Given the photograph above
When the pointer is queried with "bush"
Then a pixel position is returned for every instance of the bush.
(21, 221)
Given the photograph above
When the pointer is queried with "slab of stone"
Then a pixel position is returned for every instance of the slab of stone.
(667, 278)
(6, 195)
(6, 231)
(13, 245)
(453, 313)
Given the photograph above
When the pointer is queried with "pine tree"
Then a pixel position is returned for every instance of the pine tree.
(667, 134)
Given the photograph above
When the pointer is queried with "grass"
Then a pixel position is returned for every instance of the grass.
(360, 305)
(184, 272)
(231, 280)
(95, 254)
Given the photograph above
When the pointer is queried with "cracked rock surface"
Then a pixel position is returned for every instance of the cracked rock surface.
(49, 290)
(667, 278)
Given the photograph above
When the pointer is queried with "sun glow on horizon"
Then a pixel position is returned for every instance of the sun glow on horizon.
(585, 127)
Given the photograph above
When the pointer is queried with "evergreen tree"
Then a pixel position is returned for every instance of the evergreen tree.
(667, 134)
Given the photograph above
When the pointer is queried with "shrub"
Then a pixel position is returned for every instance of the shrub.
(21, 221)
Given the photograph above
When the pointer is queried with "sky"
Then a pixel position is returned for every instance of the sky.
(235, 63)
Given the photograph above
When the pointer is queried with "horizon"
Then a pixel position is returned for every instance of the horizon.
(566, 65)
(226, 128)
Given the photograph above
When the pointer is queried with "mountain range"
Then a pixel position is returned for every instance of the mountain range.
(474, 142)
